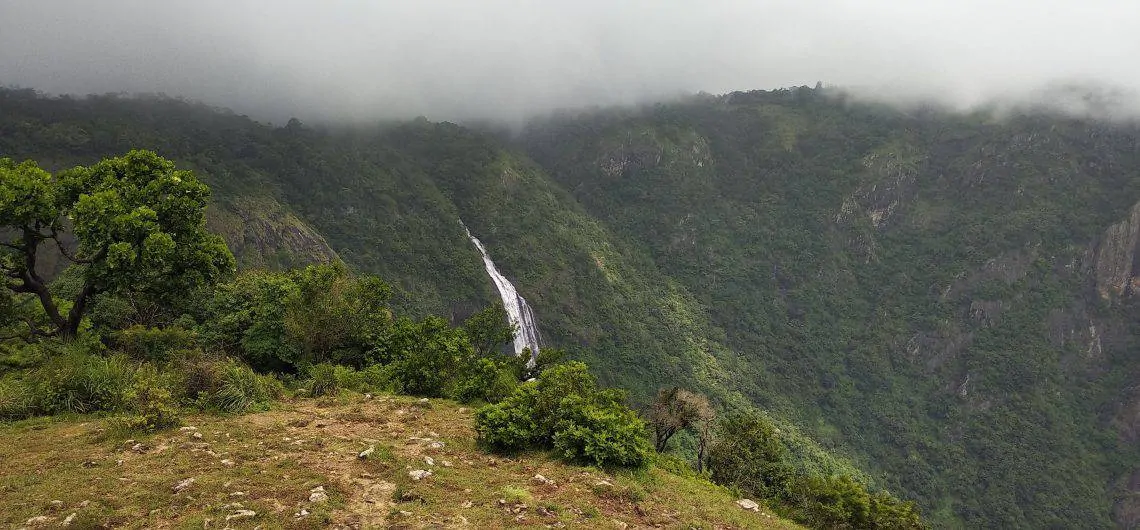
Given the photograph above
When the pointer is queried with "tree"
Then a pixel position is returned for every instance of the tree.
(675, 409)
(489, 329)
(139, 227)
(748, 455)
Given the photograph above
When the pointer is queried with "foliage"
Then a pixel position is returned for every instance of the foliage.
(603, 434)
(153, 344)
(283, 321)
(748, 455)
(489, 329)
(323, 380)
(565, 410)
(138, 226)
(487, 380)
(425, 358)
(151, 403)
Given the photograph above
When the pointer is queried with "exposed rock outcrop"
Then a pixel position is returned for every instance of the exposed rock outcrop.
(1116, 256)
(262, 233)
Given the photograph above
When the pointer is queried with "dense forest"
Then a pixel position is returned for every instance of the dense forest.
(943, 299)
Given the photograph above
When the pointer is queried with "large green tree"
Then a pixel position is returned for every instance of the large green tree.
(132, 225)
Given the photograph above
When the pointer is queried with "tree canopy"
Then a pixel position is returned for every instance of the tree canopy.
(130, 226)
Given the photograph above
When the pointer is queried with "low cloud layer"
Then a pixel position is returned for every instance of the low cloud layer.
(507, 59)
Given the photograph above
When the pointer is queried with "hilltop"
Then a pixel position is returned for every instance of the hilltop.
(266, 469)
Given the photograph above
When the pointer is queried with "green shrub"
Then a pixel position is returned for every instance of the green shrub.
(153, 344)
(239, 388)
(16, 401)
(748, 455)
(79, 382)
(606, 436)
(153, 407)
(510, 425)
(323, 380)
(486, 380)
(565, 410)
(426, 356)
(348, 378)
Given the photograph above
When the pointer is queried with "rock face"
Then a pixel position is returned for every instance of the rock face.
(1116, 256)
(262, 233)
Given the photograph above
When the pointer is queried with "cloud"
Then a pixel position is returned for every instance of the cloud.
(507, 59)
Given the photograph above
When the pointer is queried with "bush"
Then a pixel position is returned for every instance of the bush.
(153, 344)
(486, 380)
(565, 410)
(426, 356)
(323, 380)
(152, 405)
(240, 389)
(16, 401)
(81, 383)
(748, 455)
(606, 436)
(841, 502)
(510, 425)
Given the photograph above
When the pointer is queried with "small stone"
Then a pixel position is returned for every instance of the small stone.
(183, 485)
(227, 462)
(367, 452)
(69, 519)
(318, 494)
(188, 428)
(241, 514)
(238, 494)
(38, 520)
(467, 504)
(429, 460)
(425, 400)
(367, 396)
(405, 513)
(445, 463)
(603, 484)
(436, 445)
(233, 506)
(748, 504)
(302, 513)
(419, 474)
(539, 479)
(138, 448)
(197, 435)
(541, 510)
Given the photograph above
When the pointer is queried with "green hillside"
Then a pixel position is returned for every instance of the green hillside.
(944, 298)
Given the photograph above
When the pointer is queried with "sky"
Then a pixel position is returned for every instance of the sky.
(330, 60)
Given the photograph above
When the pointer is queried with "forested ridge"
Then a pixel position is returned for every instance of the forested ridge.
(943, 298)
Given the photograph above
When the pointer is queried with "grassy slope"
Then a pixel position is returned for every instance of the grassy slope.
(279, 456)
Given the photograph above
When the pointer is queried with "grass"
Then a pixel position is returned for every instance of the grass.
(271, 462)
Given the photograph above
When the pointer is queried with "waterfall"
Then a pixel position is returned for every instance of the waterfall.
(517, 309)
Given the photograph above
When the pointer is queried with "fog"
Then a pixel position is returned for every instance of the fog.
(509, 59)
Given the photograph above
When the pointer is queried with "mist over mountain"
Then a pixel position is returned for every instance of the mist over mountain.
(507, 59)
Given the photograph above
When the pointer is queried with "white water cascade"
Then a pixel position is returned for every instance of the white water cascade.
(517, 309)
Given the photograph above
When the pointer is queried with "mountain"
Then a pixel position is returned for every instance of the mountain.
(945, 298)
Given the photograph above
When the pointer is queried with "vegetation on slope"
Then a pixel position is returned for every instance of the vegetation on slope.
(944, 297)
(154, 330)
